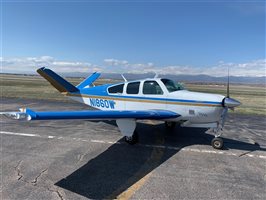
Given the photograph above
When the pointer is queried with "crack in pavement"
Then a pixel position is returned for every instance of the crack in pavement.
(20, 176)
(59, 195)
(81, 156)
(34, 182)
(245, 153)
(57, 192)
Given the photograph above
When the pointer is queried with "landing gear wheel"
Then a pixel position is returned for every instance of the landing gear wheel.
(170, 125)
(132, 139)
(217, 143)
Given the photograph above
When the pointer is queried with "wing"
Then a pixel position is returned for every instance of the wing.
(28, 114)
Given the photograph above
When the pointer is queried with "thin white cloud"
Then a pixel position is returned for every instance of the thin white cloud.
(255, 68)
(31, 64)
(115, 62)
(123, 66)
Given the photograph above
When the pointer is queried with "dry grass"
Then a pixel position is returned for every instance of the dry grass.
(253, 98)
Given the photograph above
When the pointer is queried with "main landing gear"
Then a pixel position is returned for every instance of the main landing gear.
(132, 139)
(170, 125)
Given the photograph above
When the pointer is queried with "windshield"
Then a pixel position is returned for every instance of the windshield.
(172, 86)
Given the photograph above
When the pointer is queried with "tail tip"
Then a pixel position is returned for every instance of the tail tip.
(41, 69)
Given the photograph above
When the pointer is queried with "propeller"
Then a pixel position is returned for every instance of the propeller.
(228, 102)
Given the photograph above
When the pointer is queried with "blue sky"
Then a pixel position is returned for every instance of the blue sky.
(178, 36)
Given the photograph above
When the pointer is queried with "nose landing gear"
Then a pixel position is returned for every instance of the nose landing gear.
(217, 143)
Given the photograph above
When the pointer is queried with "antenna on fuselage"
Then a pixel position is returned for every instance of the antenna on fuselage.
(124, 78)
(156, 75)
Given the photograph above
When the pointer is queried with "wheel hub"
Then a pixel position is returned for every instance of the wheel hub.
(217, 143)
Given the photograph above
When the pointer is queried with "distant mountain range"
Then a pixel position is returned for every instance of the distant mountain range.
(184, 78)
(180, 78)
(194, 78)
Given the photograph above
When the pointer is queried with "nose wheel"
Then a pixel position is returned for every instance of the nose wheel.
(217, 143)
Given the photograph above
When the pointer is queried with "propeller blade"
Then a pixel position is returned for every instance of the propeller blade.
(224, 114)
(228, 84)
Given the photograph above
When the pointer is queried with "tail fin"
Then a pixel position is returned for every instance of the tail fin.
(57, 81)
(88, 81)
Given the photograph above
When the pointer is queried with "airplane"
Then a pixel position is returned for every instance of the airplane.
(130, 101)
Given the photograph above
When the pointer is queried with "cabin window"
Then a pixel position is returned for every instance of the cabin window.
(118, 89)
(171, 86)
(133, 88)
(152, 87)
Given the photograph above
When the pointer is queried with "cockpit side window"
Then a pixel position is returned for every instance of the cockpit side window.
(133, 88)
(152, 87)
(117, 89)
(171, 85)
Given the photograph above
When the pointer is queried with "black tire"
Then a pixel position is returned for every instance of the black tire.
(132, 139)
(217, 143)
(170, 125)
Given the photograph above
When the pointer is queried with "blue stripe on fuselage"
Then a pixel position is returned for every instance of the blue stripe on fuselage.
(116, 97)
(164, 99)
(101, 92)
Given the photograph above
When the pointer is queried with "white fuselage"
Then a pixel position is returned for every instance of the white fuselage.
(194, 107)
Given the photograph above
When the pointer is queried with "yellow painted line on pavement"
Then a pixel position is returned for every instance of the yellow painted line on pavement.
(135, 187)
(145, 172)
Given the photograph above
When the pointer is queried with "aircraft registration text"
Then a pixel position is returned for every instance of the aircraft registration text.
(103, 103)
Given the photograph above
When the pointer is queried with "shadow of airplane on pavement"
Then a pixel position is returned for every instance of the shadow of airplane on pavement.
(121, 166)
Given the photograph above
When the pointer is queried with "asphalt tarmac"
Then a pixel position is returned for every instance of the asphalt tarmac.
(89, 160)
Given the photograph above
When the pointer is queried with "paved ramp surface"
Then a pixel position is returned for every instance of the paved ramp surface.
(90, 160)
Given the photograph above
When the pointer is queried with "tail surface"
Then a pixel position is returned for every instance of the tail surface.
(57, 81)
(88, 82)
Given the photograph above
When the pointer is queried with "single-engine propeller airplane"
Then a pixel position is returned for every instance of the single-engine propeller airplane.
(151, 98)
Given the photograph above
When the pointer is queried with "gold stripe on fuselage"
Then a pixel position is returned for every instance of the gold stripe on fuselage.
(139, 100)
